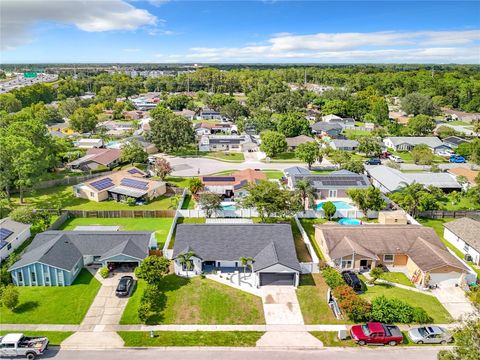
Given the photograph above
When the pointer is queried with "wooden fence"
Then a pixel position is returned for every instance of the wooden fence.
(440, 214)
(121, 213)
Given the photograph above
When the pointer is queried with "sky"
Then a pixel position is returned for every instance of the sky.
(269, 31)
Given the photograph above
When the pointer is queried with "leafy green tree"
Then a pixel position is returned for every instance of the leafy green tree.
(9, 103)
(152, 269)
(376, 273)
(329, 210)
(83, 120)
(467, 342)
(370, 199)
(216, 101)
(178, 102)
(475, 151)
(170, 132)
(273, 143)
(308, 152)
(379, 111)
(306, 192)
(23, 214)
(133, 152)
(421, 125)
(464, 150)
(416, 104)
(292, 124)
(195, 185)
(369, 145)
(246, 262)
(445, 131)
(10, 295)
(336, 107)
(234, 111)
(210, 203)
(422, 154)
(355, 166)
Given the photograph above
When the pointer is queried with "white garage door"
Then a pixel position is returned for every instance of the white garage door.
(445, 279)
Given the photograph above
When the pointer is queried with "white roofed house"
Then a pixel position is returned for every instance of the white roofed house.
(226, 143)
(88, 143)
(464, 234)
(12, 235)
(407, 143)
(347, 145)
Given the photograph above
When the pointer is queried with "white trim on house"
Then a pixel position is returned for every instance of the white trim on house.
(460, 244)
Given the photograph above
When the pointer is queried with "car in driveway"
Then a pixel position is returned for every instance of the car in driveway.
(124, 286)
(373, 161)
(376, 333)
(430, 335)
(396, 158)
(352, 280)
(457, 159)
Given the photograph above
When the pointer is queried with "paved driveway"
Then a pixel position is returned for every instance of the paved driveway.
(454, 300)
(280, 305)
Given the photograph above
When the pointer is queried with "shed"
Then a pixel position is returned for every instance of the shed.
(392, 217)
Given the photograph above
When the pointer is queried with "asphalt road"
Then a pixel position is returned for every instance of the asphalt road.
(425, 353)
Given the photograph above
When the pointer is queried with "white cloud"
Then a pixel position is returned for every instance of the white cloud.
(18, 16)
(386, 46)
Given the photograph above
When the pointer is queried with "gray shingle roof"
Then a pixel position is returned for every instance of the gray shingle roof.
(63, 249)
(324, 126)
(466, 229)
(268, 244)
(431, 141)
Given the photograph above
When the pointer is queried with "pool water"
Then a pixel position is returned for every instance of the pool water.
(349, 221)
(340, 205)
(229, 207)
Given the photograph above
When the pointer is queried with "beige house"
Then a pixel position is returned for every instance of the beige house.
(414, 250)
(119, 186)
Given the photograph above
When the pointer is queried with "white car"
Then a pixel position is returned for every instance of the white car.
(445, 153)
(395, 158)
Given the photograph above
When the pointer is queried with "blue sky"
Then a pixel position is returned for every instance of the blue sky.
(35, 31)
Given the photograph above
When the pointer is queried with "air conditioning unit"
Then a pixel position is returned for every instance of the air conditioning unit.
(342, 334)
(468, 257)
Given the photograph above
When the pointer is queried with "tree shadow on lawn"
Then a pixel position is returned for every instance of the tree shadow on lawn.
(25, 307)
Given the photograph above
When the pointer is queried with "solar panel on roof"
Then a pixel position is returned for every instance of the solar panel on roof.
(219, 178)
(134, 171)
(136, 184)
(5, 233)
(102, 184)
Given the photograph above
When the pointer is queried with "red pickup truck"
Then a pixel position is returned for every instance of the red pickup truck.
(376, 333)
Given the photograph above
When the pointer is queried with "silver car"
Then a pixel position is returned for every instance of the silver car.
(430, 335)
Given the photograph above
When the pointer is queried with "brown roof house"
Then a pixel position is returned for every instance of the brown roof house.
(464, 234)
(293, 142)
(96, 159)
(232, 185)
(470, 175)
(415, 250)
(119, 186)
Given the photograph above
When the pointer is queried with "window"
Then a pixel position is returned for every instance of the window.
(91, 194)
(20, 276)
(9, 246)
(34, 276)
(466, 248)
(346, 264)
(47, 277)
(388, 257)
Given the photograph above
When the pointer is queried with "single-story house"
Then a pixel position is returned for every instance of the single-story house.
(136, 114)
(293, 142)
(209, 114)
(96, 158)
(347, 145)
(88, 143)
(399, 117)
(226, 143)
(219, 247)
(119, 186)
(118, 128)
(206, 128)
(334, 185)
(313, 114)
(451, 114)
(469, 174)
(332, 130)
(464, 234)
(12, 235)
(407, 143)
(187, 114)
(232, 185)
(453, 141)
(388, 179)
(61, 127)
(295, 170)
(149, 147)
(332, 118)
(55, 258)
(414, 249)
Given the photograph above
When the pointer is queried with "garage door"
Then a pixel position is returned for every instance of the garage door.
(277, 279)
(445, 279)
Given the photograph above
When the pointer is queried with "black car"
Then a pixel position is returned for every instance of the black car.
(352, 280)
(124, 286)
(373, 162)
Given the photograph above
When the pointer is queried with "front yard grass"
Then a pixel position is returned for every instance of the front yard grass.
(217, 155)
(429, 303)
(198, 301)
(55, 338)
(191, 338)
(161, 226)
(330, 339)
(53, 305)
(183, 220)
(62, 197)
(312, 296)
(397, 277)
(285, 157)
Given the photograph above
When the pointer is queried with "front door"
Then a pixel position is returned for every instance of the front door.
(332, 193)
(363, 263)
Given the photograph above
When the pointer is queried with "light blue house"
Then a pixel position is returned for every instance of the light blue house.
(55, 258)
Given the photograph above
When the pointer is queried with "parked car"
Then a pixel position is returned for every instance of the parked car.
(16, 344)
(457, 159)
(445, 153)
(373, 161)
(376, 333)
(396, 158)
(352, 280)
(385, 155)
(430, 335)
(124, 286)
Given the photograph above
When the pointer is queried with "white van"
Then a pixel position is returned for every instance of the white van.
(396, 158)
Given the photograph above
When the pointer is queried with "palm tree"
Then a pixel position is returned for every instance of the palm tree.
(305, 190)
(246, 261)
(195, 185)
(186, 260)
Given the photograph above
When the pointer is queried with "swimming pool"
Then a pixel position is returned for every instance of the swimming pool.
(340, 205)
(349, 221)
(228, 207)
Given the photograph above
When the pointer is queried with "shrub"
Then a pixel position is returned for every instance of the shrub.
(131, 201)
(332, 278)
(10, 297)
(343, 292)
(104, 272)
(329, 209)
(356, 308)
(391, 310)
(376, 273)
(420, 316)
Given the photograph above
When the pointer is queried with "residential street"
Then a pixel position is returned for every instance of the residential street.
(252, 354)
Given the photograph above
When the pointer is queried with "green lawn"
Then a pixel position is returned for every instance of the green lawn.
(182, 220)
(407, 157)
(53, 305)
(198, 301)
(284, 157)
(191, 338)
(62, 198)
(189, 202)
(312, 296)
(465, 203)
(458, 122)
(308, 226)
(178, 181)
(355, 134)
(218, 155)
(54, 337)
(429, 303)
(437, 225)
(302, 252)
(161, 226)
(397, 277)
(330, 339)
(274, 174)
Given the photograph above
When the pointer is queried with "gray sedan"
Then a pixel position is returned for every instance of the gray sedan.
(430, 335)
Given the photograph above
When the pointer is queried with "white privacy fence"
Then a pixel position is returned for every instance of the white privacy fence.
(238, 213)
(308, 267)
(340, 213)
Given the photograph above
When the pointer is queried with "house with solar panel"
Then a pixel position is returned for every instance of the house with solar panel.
(12, 235)
(226, 143)
(121, 185)
(232, 185)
